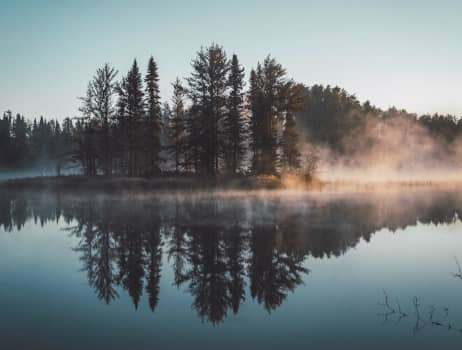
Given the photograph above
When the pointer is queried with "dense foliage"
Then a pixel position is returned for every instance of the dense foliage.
(213, 125)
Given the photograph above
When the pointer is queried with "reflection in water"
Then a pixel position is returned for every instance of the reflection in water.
(218, 247)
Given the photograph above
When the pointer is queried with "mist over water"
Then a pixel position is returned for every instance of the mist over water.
(35, 172)
(226, 270)
(356, 141)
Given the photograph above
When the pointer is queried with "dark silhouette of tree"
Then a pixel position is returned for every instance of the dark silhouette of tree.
(292, 104)
(131, 114)
(177, 126)
(166, 114)
(207, 87)
(256, 116)
(124, 131)
(234, 121)
(269, 96)
(153, 120)
(98, 109)
(19, 140)
(86, 148)
(6, 139)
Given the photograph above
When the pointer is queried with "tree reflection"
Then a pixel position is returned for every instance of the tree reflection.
(219, 249)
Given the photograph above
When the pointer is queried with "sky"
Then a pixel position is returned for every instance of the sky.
(406, 54)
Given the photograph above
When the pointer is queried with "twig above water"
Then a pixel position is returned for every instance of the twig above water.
(458, 274)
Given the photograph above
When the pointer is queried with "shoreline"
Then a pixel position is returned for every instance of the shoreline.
(239, 185)
(156, 184)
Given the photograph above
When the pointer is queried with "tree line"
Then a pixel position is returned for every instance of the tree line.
(42, 142)
(212, 126)
(332, 117)
(216, 122)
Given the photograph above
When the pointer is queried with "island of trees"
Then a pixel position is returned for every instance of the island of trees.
(216, 123)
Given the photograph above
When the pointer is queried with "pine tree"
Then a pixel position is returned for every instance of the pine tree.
(153, 120)
(256, 117)
(134, 114)
(208, 85)
(234, 122)
(293, 102)
(177, 125)
(290, 158)
(271, 97)
(5, 139)
(20, 140)
(273, 81)
(121, 127)
(98, 105)
(166, 113)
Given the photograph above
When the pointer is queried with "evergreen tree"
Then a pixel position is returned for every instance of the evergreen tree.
(5, 139)
(86, 151)
(271, 97)
(208, 85)
(293, 103)
(134, 115)
(234, 122)
(166, 113)
(290, 158)
(98, 104)
(19, 140)
(153, 120)
(256, 116)
(177, 126)
(121, 127)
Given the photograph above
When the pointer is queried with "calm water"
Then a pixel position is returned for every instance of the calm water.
(280, 272)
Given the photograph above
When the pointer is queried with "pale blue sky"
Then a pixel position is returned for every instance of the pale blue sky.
(403, 53)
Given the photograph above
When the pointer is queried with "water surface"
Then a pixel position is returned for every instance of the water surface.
(327, 271)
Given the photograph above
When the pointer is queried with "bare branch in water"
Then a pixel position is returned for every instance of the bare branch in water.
(419, 323)
(458, 274)
(401, 313)
(420, 320)
(386, 304)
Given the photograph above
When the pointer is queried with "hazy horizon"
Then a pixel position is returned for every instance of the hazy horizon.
(393, 54)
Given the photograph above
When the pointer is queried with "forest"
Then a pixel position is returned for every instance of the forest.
(219, 122)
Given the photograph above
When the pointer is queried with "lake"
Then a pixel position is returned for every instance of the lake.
(231, 271)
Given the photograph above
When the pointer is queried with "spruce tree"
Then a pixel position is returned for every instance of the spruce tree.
(271, 97)
(256, 117)
(290, 155)
(166, 113)
(234, 122)
(208, 85)
(134, 113)
(153, 120)
(273, 81)
(292, 103)
(177, 126)
(20, 140)
(5, 139)
(121, 127)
